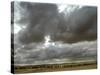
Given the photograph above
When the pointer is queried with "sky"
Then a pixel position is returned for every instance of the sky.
(53, 31)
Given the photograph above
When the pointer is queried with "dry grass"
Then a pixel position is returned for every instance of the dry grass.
(55, 67)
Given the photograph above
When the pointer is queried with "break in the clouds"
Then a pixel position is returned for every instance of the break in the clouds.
(68, 23)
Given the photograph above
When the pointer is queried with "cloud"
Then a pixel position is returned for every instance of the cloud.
(40, 19)
(77, 51)
(36, 20)
(80, 25)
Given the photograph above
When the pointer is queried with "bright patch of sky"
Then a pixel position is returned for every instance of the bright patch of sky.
(66, 9)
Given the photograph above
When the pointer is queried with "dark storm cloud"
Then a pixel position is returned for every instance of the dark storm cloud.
(83, 19)
(80, 25)
(40, 18)
(44, 19)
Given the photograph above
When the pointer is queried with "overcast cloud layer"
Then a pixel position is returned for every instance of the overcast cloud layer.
(73, 27)
(38, 54)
